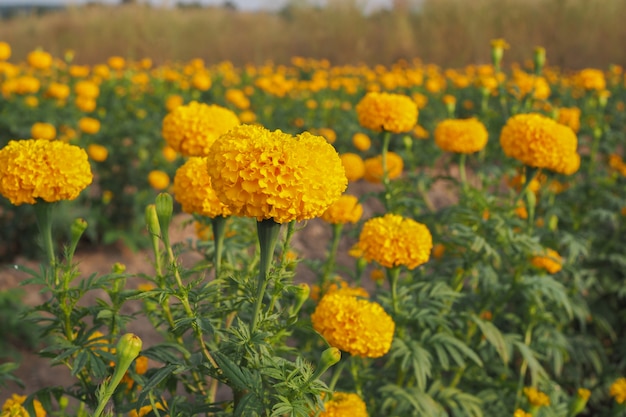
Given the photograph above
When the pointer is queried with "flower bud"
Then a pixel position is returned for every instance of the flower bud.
(539, 59)
(128, 348)
(302, 294)
(164, 209)
(119, 268)
(329, 357)
(579, 402)
(152, 220)
(77, 229)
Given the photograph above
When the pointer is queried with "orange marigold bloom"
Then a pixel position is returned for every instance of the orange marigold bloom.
(540, 142)
(361, 141)
(12, 407)
(536, 397)
(570, 116)
(39, 59)
(591, 79)
(87, 89)
(461, 135)
(388, 112)
(193, 190)
(89, 125)
(159, 180)
(116, 62)
(345, 210)
(354, 166)
(550, 260)
(201, 81)
(264, 174)
(5, 51)
(618, 390)
(393, 240)
(354, 325)
(191, 129)
(38, 169)
(374, 167)
(43, 131)
(343, 404)
(97, 152)
(173, 101)
(58, 91)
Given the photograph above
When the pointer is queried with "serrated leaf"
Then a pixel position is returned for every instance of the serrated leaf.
(494, 337)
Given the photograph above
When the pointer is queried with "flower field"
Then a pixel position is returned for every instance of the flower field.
(506, 301)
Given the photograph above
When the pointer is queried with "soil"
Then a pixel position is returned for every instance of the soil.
(311, 242)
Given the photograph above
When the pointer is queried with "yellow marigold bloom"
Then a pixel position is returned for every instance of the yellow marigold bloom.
(538, 141)
(12, 407)
(191, 129)
(344, 404)
(264, 174)
(85, 104)
(38, 168)
(354, 166)
(145, 410)
(173, 101)
(393, 240)
(39, 59)
(5, 51)
(583, 393)
(438, 250)
(58, 91)
(87, 89)
(193, 190)
(357, 326)
(361, 141)
(43, 131)
(374, 167)
(388, 112)
(327, 133)
(89, 125)
(247, 117)
(618, 390)
(570, 116)
(237, 98)
(79, 71)
(31, 101)
(377, 275)
(591, 79)
(159, 180)
(345, 210)
(116, 62)
(536, 397)
(461, 135)
(521, 413)
(97, 152)
(420, 100)
(169, 153)
(201, 81)
(420, 133)
(550, 260)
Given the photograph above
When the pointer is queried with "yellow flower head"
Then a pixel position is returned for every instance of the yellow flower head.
(540, 142)
(521, 413)
(89, 125)
(159, 180)
(192, 189)
(87, 89)
(361, 141)
(97, 152)
(374, 167)
(173, 101)
(38, 168)
(191, 129)
(388, 112)
(393, 240)
(201, 81)
(5, 51)
(345, 210)
(461, 135)
(591, 79)
(618, 390)
(12, 407)
(536, 398)
(264, 174)
(570, 116)
(43, 131)
(238, 98)
(344, 404)
(39, 59)
(354, 166)
(58, 91)
(583, 393)
(354, 325)
(551, 261)
(116, 62)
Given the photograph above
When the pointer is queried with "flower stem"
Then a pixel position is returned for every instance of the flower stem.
(43, 212)
(393, 274)
(219, 228)
(385, 179)
(462, 173)
(267, 231)
(330, 262)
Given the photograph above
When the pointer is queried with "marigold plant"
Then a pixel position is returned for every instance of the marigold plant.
(192, 189)
(387, 112)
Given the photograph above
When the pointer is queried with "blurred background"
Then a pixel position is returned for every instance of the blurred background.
(451, 33)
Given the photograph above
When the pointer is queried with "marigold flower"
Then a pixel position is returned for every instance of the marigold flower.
(58, 91)
(85, 104)
(87, 89)
(169, 153)
(159, 180)
(97, 152)
(388, 112)
(39, 59)
(238, 98)
(570, 116)
(618, 390)
(374, 167)
(536, 397)
(354, 166)
(521, 413)
(201, 81)
(540, 142)
(193, 190)
(264, 174)
(89, 125)
(43, 131)
(361, 141)
(591, 79)
(346, 209)
(38, 168)
(173, 101)
(550, 260)
(146, 410)
(354, 325)
(393, 240)
(344, 404)
(5, 51)
(461, 135)
(191, 129)
(116, 62)
(13, 407)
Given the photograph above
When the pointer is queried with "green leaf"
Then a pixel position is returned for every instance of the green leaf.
(493, 336)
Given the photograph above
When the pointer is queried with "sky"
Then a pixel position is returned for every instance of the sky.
(368, 5)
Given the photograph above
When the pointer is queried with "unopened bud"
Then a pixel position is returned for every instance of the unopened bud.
(152, 220)
(128, 348)
(539, 59)
(77, 229)
(302, 294)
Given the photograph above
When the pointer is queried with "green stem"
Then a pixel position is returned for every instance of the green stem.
(219, 228)
(393, 274)
(354, 370)
(337, 374)
(385, 179)
(267, 231)
(330, 262)
(43, 212)
(462, 173)
(524, 367)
